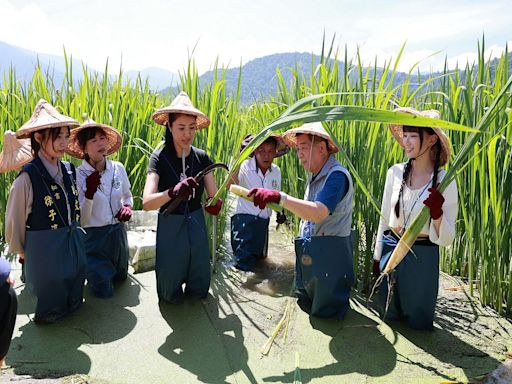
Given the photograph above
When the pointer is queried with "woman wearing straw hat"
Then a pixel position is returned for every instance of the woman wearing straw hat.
(182, 250)
(42, 217)
(323, 270)
(410, 186)
(105, 203)
(249, 224)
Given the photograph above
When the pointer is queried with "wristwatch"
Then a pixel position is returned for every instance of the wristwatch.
(283, 198)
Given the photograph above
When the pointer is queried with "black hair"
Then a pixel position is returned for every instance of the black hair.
(46, 134)
(87, 134)
(168, 134)
(271, 140)
(435, 151)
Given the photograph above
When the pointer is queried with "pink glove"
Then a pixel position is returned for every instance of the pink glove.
(214, 209)
(435, 202)
(183, 189)
(124, 214)
(263, 196)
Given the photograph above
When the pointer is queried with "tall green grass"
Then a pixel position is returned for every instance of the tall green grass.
(482, 249)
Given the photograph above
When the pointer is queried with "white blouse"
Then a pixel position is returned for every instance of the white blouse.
(113, 192)
(411, 206)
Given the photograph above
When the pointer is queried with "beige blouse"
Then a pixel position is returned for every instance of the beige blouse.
(411, 206)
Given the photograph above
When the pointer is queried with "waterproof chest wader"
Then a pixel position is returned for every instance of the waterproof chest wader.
(55, 261)
(107, 257)
(416, 283)
(182, 256)
(324, 274)
(55, 269)
(249, 236)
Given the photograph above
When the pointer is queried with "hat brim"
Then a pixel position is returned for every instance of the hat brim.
(397, 130)
(14, 158)
(161, 116)
(115, 140)
(290, 138)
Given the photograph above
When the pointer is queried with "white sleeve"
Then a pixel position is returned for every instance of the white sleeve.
(243, 180)
(386, 212)
(85, 204)
(447, 227)
(126, 198)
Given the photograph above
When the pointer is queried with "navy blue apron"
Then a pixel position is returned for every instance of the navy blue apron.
(55, 267)
(182, 256)
(416, 283)
(107, 257)
(324, 274)
(249, 236)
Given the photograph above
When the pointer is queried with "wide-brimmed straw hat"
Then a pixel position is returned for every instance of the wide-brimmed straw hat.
(281, 148)
(45, 116)
(398, 132)
(113, 136)
(181, 104)
(316, 129)
(16, 152)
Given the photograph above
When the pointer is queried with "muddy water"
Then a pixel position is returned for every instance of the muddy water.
(273, 275)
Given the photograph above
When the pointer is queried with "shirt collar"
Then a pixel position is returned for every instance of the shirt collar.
(89, 167)
(254, 167)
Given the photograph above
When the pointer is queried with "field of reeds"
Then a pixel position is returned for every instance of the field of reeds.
(483, 247)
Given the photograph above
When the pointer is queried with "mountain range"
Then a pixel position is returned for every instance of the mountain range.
(259, 78)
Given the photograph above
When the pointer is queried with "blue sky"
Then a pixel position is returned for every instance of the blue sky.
(153, 33)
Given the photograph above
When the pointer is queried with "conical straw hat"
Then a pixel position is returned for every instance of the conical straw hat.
(113, 136)
(181, 104)
(16, 152)
(45, 116)
(397, 130)
(316, 129)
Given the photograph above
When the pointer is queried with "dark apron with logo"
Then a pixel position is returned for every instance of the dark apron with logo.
(416, 283)
(324, 274)
(182, 256)
(107, 257)
(249, 235)
(55, 268)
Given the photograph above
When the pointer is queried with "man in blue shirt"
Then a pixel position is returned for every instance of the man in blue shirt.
(324, 270)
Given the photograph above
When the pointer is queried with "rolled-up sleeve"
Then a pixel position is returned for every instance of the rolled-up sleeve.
(447, 228)
(19, 206)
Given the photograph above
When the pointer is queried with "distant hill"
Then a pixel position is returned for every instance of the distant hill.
(24, 62)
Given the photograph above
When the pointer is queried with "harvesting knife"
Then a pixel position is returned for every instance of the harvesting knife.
(177, 201)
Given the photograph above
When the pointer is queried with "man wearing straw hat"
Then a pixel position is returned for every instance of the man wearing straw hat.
(249, 224)
(42, 217)
(105, 203)
(323, 270)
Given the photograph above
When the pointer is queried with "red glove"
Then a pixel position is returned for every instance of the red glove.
(214, 209)
(91, 183)
(124, 214)
(434, 201)
(183, 189)
(21, 260)
(263, 196)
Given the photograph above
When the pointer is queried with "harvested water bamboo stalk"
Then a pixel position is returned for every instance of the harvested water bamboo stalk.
(242, 192)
